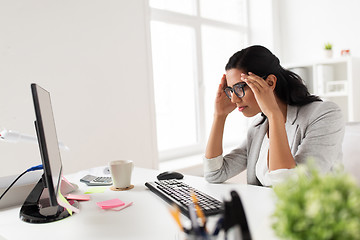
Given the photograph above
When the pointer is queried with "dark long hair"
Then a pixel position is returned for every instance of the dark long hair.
(260, 61)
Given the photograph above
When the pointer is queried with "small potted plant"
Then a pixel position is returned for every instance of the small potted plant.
(317, 206)
(328, 50)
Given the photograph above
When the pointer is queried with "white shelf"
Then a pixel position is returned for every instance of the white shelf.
(336, 79)
(334, 94)
(319, 62)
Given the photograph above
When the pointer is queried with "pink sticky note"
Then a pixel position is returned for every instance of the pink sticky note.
(122, 207)
(112, 203)
(78, 197)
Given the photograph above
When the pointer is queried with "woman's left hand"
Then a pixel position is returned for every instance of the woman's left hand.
(264, 93)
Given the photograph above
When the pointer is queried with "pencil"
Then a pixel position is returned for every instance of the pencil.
(198, 209)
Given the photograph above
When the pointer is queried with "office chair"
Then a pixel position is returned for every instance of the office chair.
(351, 149)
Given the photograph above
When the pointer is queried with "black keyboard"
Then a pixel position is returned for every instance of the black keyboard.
(176, 192)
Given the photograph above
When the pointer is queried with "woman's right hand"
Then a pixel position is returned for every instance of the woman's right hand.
(223, 105)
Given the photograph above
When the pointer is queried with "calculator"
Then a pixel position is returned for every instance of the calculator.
(91, 180)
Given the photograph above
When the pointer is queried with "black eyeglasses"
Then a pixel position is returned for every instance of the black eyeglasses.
(238, 89)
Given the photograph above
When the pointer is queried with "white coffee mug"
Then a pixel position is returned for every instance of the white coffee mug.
(121, 173)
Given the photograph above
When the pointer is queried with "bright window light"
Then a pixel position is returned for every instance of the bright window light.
(189, 53)
(231, 11)
(174, 70)
(218, 45)
(180, 6)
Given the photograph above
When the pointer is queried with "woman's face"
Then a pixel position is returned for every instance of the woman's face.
(247, 104)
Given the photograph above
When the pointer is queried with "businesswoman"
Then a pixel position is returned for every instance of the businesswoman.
(291, 125)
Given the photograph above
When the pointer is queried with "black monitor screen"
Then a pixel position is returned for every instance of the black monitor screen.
(48, 142)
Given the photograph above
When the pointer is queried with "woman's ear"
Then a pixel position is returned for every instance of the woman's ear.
(271, 81)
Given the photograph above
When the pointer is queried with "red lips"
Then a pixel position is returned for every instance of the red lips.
(241, 108)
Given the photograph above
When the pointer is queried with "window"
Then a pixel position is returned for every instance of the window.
(192, 41)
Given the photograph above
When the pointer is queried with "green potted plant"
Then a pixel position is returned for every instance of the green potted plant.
(313, 206)
(328, 50)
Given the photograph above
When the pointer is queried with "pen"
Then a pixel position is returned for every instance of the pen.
(194, 223)
(218, 226)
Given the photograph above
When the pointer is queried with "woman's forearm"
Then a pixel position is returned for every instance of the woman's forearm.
(280, 156)
(214, 146)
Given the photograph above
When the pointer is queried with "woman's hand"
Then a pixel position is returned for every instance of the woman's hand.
(264, 93)
(223, 105)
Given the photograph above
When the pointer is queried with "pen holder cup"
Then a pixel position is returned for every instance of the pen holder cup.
(197, 237)
(201, 236)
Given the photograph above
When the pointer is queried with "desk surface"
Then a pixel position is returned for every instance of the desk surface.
(147, 218)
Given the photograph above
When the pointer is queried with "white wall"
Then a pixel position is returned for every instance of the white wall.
(306, 25)
(263, 24)
(93, 58)
(297, 30)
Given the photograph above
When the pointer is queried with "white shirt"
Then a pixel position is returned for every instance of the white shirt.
(261, 168)
(266, 177)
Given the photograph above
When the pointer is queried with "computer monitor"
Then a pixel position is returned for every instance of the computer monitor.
(35, 209)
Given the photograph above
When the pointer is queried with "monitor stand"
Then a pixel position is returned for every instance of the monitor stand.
(36, 210)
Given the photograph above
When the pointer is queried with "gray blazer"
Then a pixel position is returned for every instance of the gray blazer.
(314, 131)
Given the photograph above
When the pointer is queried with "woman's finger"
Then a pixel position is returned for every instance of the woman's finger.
(259, 80)
(222, 86)
(254, 85)
(223, 81)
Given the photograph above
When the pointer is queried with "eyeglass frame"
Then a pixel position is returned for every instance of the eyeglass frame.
(242, 85)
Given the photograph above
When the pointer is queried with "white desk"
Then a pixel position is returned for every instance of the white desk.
(147, 218)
